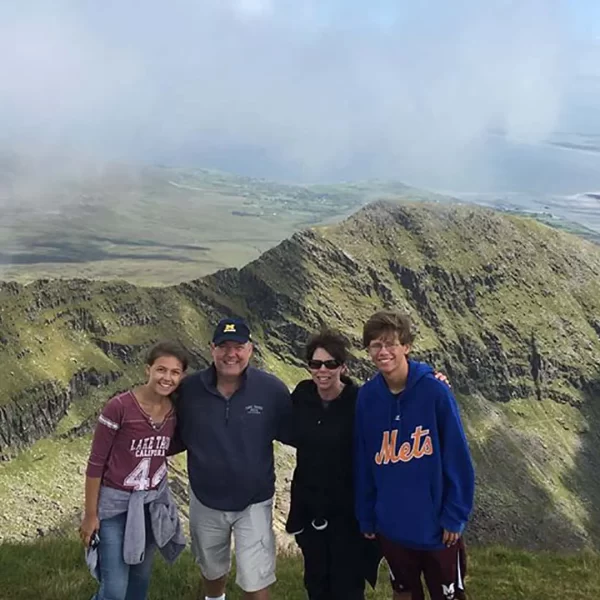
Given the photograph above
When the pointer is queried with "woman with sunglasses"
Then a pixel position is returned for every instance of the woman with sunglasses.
(337, 558)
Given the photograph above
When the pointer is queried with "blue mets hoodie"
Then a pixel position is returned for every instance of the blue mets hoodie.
(414, 476)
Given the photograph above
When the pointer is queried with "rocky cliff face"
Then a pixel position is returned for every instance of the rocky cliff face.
(506, 307)
(35, 412)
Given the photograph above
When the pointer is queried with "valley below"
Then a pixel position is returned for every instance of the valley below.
(163, 226)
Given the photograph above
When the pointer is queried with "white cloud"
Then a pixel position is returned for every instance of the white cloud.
(319, 86)
(253, 7)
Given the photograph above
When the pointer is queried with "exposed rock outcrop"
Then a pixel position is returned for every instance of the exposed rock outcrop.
(34, 413)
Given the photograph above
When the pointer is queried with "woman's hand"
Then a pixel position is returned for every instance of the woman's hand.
(441, 377)
(88, 526)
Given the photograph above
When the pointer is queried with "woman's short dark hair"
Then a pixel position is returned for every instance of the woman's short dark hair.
(168, 348)
(330, 340)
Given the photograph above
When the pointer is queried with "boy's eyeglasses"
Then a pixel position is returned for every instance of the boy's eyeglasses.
(328, 364)
(376, 347)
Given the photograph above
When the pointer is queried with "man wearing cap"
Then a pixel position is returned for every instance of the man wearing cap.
(228, 417)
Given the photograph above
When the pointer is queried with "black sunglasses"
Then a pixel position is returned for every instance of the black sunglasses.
(329, 364)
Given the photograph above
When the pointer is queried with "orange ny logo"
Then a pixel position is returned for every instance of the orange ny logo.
(406, 452)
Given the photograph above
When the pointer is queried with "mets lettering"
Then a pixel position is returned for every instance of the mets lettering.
(157, 445)
(421, 446)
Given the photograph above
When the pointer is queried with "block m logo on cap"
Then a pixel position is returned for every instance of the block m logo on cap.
(231, 329)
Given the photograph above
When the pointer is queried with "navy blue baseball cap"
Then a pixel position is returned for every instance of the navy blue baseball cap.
(231, 330)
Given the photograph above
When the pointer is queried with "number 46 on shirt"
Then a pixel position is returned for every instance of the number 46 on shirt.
(138, 478)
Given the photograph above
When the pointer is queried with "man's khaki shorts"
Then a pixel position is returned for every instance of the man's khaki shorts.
(254, 543)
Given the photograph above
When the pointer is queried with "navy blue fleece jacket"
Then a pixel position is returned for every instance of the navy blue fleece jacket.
(229, 441)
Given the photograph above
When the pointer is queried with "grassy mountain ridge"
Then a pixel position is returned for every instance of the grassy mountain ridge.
(507, 307)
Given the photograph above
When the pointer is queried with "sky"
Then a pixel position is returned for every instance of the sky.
(303, 90)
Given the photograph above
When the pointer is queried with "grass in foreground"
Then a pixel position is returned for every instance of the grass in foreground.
(53, 569)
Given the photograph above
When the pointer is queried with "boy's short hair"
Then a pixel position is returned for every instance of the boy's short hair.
(330, 340)
(389, 322)
(168, 348)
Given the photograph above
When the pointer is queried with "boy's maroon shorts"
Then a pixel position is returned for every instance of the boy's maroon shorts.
(444, 570)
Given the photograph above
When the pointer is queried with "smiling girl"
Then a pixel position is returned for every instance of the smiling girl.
(129, 511)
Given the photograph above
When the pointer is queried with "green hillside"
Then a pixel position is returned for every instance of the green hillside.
(507, 307)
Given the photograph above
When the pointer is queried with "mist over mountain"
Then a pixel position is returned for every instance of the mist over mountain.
(311, 91)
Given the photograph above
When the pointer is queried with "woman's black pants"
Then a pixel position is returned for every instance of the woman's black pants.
(333, 568)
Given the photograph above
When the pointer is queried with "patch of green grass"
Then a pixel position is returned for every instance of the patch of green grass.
(288, 373)
(54, 569)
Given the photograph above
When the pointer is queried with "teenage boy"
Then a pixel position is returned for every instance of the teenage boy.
(414, 475)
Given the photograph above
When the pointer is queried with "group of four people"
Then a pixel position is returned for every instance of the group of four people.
(382, 469)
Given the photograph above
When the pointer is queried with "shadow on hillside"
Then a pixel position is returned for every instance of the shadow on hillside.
(585, 476)
(511, 508)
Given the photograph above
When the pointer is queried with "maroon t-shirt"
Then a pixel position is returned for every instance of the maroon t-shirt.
(129, 450)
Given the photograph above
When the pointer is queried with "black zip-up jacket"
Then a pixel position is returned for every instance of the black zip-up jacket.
(322, 486)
